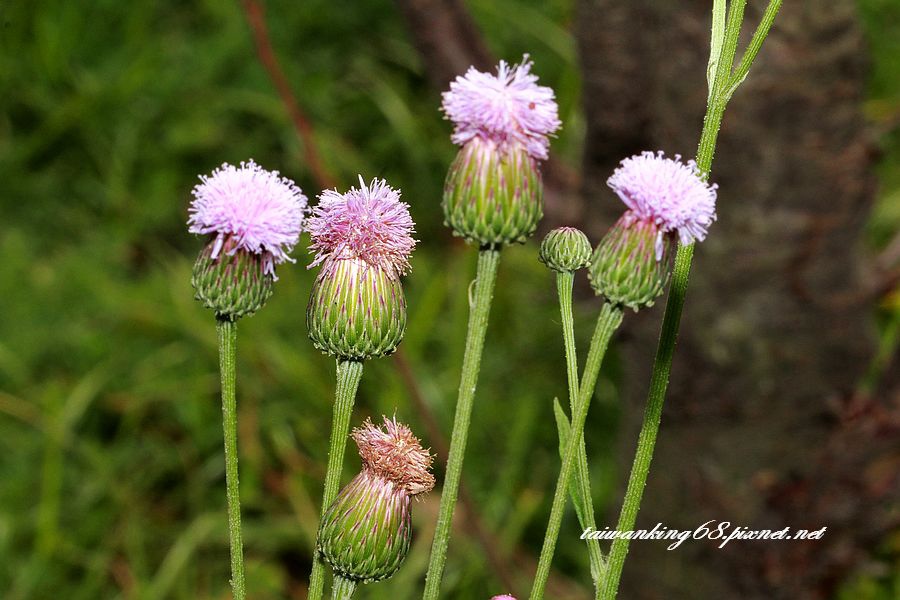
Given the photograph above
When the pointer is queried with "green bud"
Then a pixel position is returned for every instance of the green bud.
(234, 285)
(356, 311)
(631, 264)
(493, 197)
(566, 249)
(366, 532)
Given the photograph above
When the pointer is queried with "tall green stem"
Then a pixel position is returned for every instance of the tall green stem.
(609, 320)
(724, 85)
(342, 589)
(349, 372)
(486, 276)
(227, 333)
(581, 485)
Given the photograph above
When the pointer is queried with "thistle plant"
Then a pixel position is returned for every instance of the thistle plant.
(492, 197)
(666, 199)
(366, 532)
(362, 240)
(253, 218)
(723, 79)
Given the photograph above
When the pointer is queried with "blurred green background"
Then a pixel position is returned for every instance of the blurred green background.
(111, 469)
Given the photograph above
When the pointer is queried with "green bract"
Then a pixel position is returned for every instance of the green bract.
(235, 285)
(493, 197)
(624, 267)
(366, 532)
(356, 311)
(566, 249)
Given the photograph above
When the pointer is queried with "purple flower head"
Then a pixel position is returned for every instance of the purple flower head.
(503, 597)
(667, 192)
(369, 223)
(506, 108)
(258, 210)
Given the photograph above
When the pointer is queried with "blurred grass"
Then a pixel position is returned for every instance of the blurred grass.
(109, 418)
(110, 434)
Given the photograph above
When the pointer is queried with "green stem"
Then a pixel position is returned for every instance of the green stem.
(342, 589)
(724, 87)
(647, 438)
(486, 276)
(609, 320)
(227, 332)
(349, 372)
(581, 485)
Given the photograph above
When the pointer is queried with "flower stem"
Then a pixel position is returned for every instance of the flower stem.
(349, 372)
(647, 438)
(227, 333)
(609, 320)
(581, 485)
(724, 86)
(486, 276)
(342, 589)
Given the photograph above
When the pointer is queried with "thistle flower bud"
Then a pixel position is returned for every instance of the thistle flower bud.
(625, 269)
(254, 217)
(235, 283)
(356, 311)
(665, 198)
(566, 249)
(363, 239)
(493, 191)
(366, 533)
(493, 198)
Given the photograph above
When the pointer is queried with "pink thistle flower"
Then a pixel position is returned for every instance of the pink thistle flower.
(503, 597)
(667, 192)
(395, 454)
(506, 108)
(261, 212)
(369, 223)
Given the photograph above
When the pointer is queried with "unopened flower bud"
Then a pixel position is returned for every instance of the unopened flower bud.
(565, 249)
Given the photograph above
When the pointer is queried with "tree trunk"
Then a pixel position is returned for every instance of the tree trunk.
(776, 332)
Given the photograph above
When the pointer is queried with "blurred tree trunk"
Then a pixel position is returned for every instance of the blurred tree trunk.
(762, 427)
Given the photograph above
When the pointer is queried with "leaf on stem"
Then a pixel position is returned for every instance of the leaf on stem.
(715, 51)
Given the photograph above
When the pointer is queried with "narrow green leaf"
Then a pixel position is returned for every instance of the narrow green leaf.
(577, 492)
(759, 36)
(563, 427)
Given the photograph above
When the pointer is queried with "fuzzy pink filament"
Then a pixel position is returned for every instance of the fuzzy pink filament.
(506, 108)
(667, 192)
(369, 223)
(259, 210)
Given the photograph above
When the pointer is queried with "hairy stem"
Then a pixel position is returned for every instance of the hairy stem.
(609, 320)
(486, 276)
(349, 372)
(342, 589)
(227, 333)
(581, 485)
